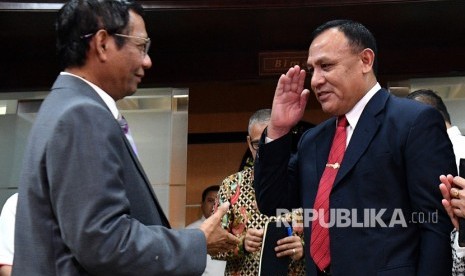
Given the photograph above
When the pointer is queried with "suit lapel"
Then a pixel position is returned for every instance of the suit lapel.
(316, 160)
(323, 145)
(364, 132)
(146, 180)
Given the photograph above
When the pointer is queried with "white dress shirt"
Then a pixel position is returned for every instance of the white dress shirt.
(7, 230)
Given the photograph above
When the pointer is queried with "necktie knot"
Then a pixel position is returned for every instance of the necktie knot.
(342, 121)
(123, 123)
(125, 128)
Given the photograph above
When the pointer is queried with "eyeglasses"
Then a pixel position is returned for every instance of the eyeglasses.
(144, 48)
(255, 144)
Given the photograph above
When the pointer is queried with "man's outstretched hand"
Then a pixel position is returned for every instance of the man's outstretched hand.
(218, 239)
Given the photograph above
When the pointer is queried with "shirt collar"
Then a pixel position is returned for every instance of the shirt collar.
(454, 131)
(105, 97)
(354, 114)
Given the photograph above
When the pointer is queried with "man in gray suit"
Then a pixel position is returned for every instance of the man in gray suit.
(85, 204)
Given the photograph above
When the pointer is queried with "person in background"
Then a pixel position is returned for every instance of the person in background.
(376, 160)
(7, 235)
(85, 204)
(431, 98)
(214, 267)
(296, 131)
(243, 215)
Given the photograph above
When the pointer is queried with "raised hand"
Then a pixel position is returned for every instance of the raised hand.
(289, 102)
(453, 193)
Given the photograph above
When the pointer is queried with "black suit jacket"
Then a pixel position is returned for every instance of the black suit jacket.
(387, 187)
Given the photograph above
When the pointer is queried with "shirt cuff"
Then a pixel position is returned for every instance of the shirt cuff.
(460, 251)
(267, 140)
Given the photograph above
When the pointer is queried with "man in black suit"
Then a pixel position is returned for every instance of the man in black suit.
(385, 213)
(85, 205)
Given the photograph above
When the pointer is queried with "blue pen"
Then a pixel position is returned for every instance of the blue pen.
(289, 231)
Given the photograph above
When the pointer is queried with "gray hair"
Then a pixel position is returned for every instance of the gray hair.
(261, 116)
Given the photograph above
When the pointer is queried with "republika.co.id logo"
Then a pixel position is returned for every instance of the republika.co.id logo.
(362, 218)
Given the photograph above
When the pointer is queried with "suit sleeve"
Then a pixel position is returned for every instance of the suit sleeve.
(85, 167)
(428, 154)
(275, 180)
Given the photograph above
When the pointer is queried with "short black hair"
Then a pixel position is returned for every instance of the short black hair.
(359, 36)
(213, 188)
(430, 97)
(78, 20)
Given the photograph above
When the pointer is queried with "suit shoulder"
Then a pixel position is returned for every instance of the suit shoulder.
(411, 110)
(408, 105)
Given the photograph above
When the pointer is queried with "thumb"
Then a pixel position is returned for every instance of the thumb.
(222, 209)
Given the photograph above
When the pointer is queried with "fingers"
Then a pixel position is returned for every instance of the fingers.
(458, 212)
(253, 240)
(218, 239)
(304, 98)
(302, 75)
(231, 242)
(446, 181)
(292, 81)
(456, 202)
(213, 222)
(223, 242)
(297, 79)
(456, 191)
(291, 247)
(445, 192)
(280, 87)
(450, 212)
(254, 234)
(459, 182)
(451, 195)
(252, 245)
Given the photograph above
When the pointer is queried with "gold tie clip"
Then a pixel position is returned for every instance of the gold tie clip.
(334, 166)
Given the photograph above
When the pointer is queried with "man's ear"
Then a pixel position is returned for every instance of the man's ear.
(100, 43)
(367, 56)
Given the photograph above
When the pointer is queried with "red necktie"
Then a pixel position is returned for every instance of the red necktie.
(319, 246)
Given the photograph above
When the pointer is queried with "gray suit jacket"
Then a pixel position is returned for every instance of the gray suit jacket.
(85, 204)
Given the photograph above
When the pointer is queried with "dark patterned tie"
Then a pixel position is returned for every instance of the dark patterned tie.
(125, 127)
(319, 246)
